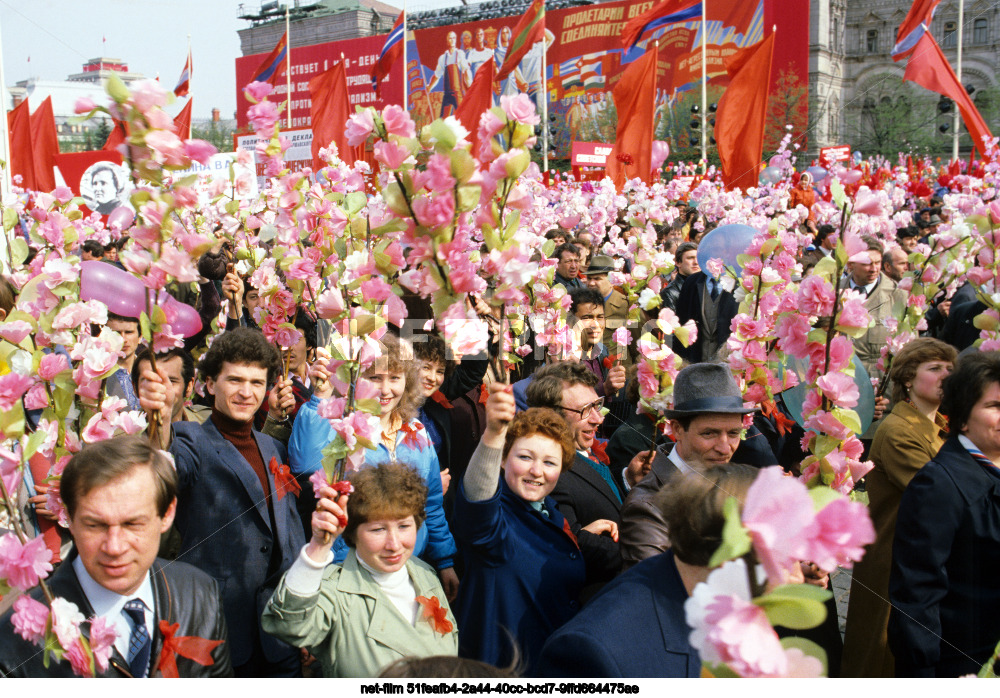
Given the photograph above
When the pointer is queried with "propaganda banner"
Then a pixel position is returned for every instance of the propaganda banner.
(584, 59)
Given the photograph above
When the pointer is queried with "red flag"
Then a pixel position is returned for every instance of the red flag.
(635, 96)
(329, 113)
(44, 146)
(182, 122)
(273, 66)
(930, 69)
(184, 82)
(478, 99)
(913, 27)
(391, 52)
(659, 16)
(116, 137)
(739, 123)
(530, 30)
(21, 157)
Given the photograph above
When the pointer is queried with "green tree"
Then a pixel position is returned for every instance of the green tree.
(219, 135)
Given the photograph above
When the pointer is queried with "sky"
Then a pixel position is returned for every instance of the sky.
(59, 36)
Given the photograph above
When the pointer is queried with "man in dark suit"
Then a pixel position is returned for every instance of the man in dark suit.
(236, 508)
(120, 495)
(593, 488)
(712, 308)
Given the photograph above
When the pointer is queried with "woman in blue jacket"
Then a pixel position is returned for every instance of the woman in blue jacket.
(403, 440)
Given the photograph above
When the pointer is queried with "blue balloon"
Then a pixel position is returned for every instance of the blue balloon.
(725, 243)
(794, 397)
(857, 157)
(818, 173)
(769, 175)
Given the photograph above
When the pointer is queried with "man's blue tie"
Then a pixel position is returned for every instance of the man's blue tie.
(139, 643)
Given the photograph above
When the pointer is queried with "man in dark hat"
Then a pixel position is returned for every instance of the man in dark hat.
(615, 303)
(707, 421)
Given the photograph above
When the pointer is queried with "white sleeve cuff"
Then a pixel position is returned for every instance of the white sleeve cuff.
(305, 575)
(628, 488)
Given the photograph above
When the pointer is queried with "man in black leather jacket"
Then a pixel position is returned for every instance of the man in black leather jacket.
(120, 495)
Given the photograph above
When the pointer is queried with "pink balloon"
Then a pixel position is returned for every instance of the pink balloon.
(121, 217)
(123, 293)
(661, 151)
(184, 319)
(851, 176)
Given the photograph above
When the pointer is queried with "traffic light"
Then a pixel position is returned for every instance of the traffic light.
(945, 105)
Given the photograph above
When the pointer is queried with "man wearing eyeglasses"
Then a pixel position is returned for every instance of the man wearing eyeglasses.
(594, 488)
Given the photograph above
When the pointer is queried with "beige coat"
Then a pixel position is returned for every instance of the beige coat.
(905, 441)
(351, 627)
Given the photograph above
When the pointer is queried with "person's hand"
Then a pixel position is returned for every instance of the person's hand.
(602, 526)
(477, 304)
(232, 290)
(639, 467)
(306, 657)
(881, 405)
(319, 374)
(814, 575)
(153, 392)
(615, 380)
(445, 481)
(449, 582)
(281, 400)
(40, 502)
(328, 522)
(500, 409)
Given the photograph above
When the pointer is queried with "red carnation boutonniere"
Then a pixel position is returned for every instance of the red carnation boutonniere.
(608, 362)
(484, 394)
(440, 399)
(284, 481)
(197, 649)
(599, 452)
(414, 436)
(436, 614)
(625, 158)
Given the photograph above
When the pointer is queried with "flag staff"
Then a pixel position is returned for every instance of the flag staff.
(288, 70)
(956, 124)
(704, 88)
(190, 68)
(406, 68)
(544, 86)
(6, 194)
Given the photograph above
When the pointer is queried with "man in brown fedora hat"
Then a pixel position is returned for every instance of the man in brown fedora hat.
(615, 303)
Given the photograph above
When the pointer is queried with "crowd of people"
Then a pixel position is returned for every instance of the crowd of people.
(539, 519)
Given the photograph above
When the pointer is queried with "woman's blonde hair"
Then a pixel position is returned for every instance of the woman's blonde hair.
(397, 357)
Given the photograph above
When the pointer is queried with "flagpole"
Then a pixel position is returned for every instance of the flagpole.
(190, 68)
(704, 87)
(545, 108)
(288, 69)
(6, 194)
(956, 124)
(406, 69)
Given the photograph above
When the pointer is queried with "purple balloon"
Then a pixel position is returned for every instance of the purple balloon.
(123, 293)
(121, 218)
(185, 320)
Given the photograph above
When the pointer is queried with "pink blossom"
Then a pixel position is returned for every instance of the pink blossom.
(169, 147)
(398, 122)
(778, 515)
(434, 211)
(843, 530)
(868, 203)
(132, 422)
(840, 388)
(14, 331)
(98, 429)
(256, 91)
(147, 95)
(10, 470)
(102, 642)
(853, 312)
(263, 117)
(519, 108)
(79, 662)
(330, 304)
(715, 267)
(79, 314)
(66, 619)
(36, 398)
(359, 126)
(332, 408)
(24, 565)
(12, 388)
(825, 423)
(743, 638)
(438, 173)
(199, 150)
(30, 618)
(391, 155)
(815, 296)
(84, 105)
(792, 331)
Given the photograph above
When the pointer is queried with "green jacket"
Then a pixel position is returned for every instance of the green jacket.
(351, 627)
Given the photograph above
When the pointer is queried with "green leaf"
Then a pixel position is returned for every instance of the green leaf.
(849, 418)
(837, 191)
(735, 540)
(822, 496)
(18, 247)
(267, 233)
(354, 202)
(795, 606)
(9, 218)
(808, 647)
(719, 671)
(36, 439)
(468, 197)
(116, 89)
(444, 138)
(144, 327)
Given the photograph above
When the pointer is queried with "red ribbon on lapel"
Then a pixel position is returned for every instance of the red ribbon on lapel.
(284, 481)
(197, 649)
(484, 394)
(436, 614)
(599, 452)
(768, 408)
(569, 532)
(440, 399)
(414, 435)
